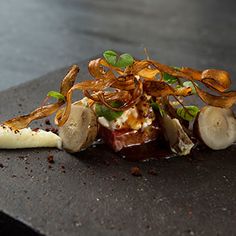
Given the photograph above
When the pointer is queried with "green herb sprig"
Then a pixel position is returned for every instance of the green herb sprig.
(106, 112)
(116, 60)
(156, 107)
(170, 79)
(188, 112)
(57, 95)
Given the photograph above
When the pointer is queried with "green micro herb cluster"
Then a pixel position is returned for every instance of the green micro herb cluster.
(117, 60)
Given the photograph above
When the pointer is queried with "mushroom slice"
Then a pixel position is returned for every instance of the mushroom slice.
(216, 127)
(178, 140)
(80, 130)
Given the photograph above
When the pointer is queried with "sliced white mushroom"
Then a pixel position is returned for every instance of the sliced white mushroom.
(178, 140)
(216, 127)
(27, 138)
(80, 130)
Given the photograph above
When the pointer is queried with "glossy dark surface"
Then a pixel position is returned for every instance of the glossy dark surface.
(95, 194)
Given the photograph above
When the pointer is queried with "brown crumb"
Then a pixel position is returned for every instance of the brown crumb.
(49, 167)
(107, 163)
(135, 171)
(36, 129)
(148, 227)
(1, 165)
(50, 159)
(52, 129)
(47, 122)
(63, 167)
(152, 172)
(63, 171)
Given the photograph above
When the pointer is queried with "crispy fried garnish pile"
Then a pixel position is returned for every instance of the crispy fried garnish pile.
(129, 84)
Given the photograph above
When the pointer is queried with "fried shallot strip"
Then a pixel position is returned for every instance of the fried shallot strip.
(21, 122)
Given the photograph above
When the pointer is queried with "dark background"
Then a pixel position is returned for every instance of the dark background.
(40, 36)
(97, 195)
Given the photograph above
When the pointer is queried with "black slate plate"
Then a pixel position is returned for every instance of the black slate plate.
(95, 194)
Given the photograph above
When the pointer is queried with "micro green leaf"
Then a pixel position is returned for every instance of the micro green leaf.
(156, 107)
(169, 78)
(106, 112)
(116, 60)
(111, 57)
(125, 60)
(56, 95)
(116, 104)
(188, 112)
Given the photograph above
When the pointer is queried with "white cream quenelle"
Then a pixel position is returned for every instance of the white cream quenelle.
(27, 138)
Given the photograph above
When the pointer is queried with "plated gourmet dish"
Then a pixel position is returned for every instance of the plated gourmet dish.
(130, 102)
